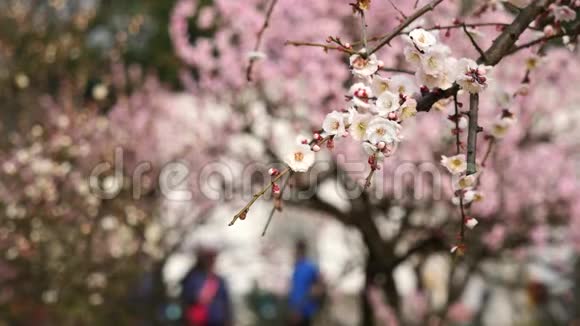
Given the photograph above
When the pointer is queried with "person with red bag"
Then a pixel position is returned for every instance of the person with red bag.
(205, 294)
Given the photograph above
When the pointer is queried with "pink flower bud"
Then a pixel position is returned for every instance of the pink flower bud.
(382, 145)
(316, 148)
(392, 116)
(345, 134)
(273, 172)
(317, 136)
(275, 189)
(381, 63)
(549, 30)
(347, 45)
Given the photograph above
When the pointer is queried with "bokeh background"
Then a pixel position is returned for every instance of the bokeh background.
(149, 83)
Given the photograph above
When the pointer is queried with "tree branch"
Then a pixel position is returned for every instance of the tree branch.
(472, 131)
(501, 47)
(259, 38)
(385, 40)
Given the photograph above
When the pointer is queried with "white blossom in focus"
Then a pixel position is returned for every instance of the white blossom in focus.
(471, 76)
(358, 126)
(434, 61)
(465, 182)
(334, 124)
(403, 84)
(454, 164)
(364, 67)
(299, 157)
(381, 129)
(387, 103)
(380, 85)
(361, 95)
(422, 39)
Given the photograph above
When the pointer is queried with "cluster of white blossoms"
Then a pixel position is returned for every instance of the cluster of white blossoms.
(464, 186)
(436, 68)
(377, 105)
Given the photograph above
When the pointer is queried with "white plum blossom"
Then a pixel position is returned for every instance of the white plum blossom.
(471, 76)
(469, 196)
(433, 62)
(408, 109)
(562, 13)
(403, 85)
(334, 124)
(465, 182)
(387, 103)
(380, 84)
(361, 94)
(442, 80)
(364, 66)
(358, 126)
(472, 196)
(454, 164)
(422, 39)
(380, 154)
(299, 157)
(413, 56)
(382, 130)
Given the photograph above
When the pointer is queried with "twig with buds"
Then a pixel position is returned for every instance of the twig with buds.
(259, 38)
(385, 40)
(244, 211)
(325, 47)
(475, 45)
(276, 205)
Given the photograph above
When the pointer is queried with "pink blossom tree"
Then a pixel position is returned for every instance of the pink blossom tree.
(484, 94)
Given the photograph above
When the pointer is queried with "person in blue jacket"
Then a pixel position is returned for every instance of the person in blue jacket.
(205, 294)
(306, 290)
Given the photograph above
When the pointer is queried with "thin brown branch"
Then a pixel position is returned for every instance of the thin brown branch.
(500, 48)
(457, 136)
(402, 71)
(260, 35)
(385, 40)
(472, 131)
(326, 47)
(458, 147)
(488, 151)
(275, 207)
(541, 40)
(475, 45)
(416, 4)
(244, 211)
(369, 179)
(398, 10)
(363, 28)
(472, 25)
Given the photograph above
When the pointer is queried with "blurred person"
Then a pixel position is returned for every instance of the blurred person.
(204, 294)
(307, 290)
